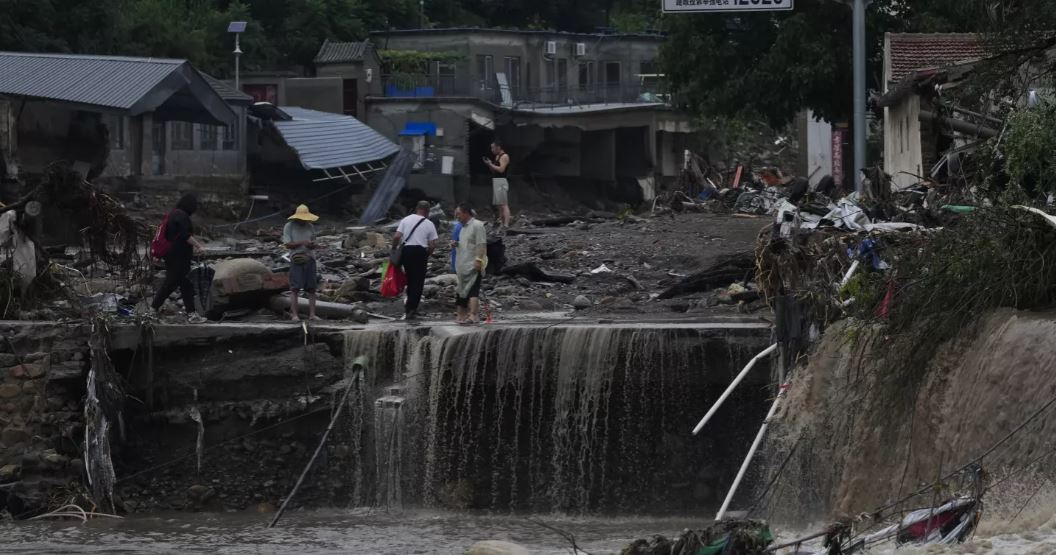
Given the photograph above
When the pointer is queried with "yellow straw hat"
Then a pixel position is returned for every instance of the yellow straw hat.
(303, 214)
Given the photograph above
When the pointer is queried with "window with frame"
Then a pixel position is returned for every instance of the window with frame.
(182, 135)
(115, 125)
(586, 75)
(513, 73)
(207, 137)
(612, 73)
(445, 78)
(230, 137)
(486, 71)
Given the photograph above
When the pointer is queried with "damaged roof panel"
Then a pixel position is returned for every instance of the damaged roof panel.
(323, 140)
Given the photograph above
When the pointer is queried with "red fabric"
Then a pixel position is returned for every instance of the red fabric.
(937, 522)
(393, 282)
(161, 245)
(885, 305)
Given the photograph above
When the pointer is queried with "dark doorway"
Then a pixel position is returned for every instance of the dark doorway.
(350, 97)
(157, 151)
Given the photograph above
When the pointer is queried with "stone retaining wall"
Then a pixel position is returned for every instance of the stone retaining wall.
(42, 369)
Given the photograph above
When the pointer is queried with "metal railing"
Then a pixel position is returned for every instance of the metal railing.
(425, 86)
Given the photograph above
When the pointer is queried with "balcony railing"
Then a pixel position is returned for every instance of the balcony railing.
(426, 86)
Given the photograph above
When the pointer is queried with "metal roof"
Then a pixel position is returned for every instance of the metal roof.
(170, 88)
(324, 141)
(341, 52)
(110, 81)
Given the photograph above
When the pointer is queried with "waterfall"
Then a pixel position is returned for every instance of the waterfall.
(564, 418)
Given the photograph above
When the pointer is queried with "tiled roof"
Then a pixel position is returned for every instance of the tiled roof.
(227, 92)
(913, 52)
(323, 140)
(341, 52)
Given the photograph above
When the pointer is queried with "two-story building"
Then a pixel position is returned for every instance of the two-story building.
(585, 112)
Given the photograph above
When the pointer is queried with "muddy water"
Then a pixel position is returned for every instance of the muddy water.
(363, 532)
(358, 532)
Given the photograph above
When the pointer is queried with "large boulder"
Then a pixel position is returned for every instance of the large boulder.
(242, 283)
(492, 547)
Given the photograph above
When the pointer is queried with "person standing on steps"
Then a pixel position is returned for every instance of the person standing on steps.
(416, 238)
(500, 185)
(299, 237)
(179, 231)
(470, 263)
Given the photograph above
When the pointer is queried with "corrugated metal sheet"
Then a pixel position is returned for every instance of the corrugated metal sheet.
(324, 141)
(341, 52)
(108, 81)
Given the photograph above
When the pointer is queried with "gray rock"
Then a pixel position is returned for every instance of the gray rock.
(493, 547)
(582, 302)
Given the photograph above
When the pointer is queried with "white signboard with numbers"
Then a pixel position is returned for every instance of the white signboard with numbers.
(690, 6)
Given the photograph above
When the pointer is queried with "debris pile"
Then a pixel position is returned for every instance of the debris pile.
(734, 537)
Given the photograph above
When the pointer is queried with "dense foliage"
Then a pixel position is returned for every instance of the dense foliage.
(281, 33)
(774, 64)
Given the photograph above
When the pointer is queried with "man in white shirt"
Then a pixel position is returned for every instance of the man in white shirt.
(416, 238)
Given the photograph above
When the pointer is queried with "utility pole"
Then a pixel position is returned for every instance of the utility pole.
(237, 27)
(858, 8)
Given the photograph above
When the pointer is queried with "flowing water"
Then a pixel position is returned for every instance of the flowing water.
(455, 438)
(576, 419)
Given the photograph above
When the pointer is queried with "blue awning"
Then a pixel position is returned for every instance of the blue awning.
(415, 128)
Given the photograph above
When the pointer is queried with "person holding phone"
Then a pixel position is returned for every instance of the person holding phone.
(500, 185)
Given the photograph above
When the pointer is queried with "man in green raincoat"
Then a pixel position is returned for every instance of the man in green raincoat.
(470, 262)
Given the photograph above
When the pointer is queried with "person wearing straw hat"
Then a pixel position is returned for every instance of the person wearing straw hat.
(299, 237)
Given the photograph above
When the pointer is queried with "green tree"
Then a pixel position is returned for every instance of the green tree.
(774, 64)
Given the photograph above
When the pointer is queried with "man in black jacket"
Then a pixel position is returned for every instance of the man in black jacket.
(180, 233)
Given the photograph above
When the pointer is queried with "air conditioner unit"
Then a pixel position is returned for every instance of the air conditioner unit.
(581, 49)
(551, 48)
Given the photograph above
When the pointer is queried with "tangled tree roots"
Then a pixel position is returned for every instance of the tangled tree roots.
(111, 235)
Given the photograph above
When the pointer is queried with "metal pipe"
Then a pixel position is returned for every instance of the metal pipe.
(858, 32)
(732, 386)
(357, 370)
(750, 456)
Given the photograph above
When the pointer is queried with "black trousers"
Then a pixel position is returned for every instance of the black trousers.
(415, 262)
(176, 270)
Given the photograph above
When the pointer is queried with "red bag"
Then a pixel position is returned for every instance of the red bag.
(393, 282)
(161, 245)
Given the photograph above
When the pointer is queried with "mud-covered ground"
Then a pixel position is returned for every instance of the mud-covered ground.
(614, 267)
(603, 265)
(653, 252)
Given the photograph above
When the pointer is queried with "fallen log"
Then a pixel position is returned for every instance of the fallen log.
(323, 309)
(737, 267)
(534, 273)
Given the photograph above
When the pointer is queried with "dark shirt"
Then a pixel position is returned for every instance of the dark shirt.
(178, 231)
(498, 163)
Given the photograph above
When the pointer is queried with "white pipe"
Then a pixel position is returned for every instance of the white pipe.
(850, 273)
(729, 390)
(751, 454)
